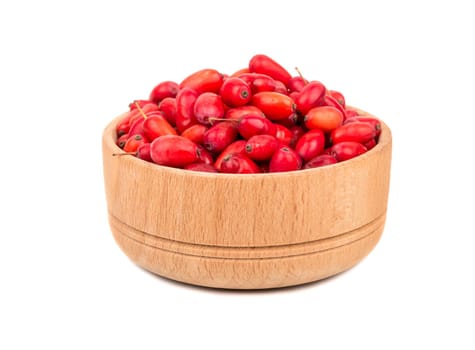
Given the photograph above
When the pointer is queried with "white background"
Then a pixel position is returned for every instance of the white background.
(68, 68)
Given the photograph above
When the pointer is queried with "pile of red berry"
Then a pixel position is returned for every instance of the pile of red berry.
(259, 119)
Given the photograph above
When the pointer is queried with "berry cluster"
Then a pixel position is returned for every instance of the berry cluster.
(259, 119)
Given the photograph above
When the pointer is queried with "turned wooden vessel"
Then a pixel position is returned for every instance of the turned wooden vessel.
(250, 231)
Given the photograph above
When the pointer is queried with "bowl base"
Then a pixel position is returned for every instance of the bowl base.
(247, 267)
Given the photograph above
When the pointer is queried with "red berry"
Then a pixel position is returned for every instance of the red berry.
(205, 80)
(297, 133)
(266, 65)
(370, 144)
(283, 134)
(251, 125)
(289, 122)
(297, 84)
(143, 152)
(122, 140)
(338, 96)
(310, 96)
(294, 95)
(351, 113)
(276, 106)
(219, 136)
(174, 151)
(134, 142)
(329, 100)
(285, 159)
(358, 132)
(373, 121)
(155, 126)
(325, 118)
(239, 164)
(259, 82)
(234, 148)
(235, 92)
(205, 156)
(238, 112)
(321, 160)
(163, 90)
(136, 128)
(261, 147)
(263, 83)
(195, 133)
(346, 150)
(168, 107)
(311, 144)
(122, 127)
(280, 88)
(208, 105)
(185, 102)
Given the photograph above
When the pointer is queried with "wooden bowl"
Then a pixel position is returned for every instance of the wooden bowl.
(250, 231)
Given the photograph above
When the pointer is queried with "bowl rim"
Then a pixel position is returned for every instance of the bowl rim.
(110, 137)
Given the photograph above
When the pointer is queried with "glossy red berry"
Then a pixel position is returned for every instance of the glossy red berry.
(175, 151)
(283, 134)
(163, 90)
(185, 102)
(239, 164)
(154, 127)
(143, 152)
(266, 65)
(238, 112)
(373, 121)
(195, 133)
(346, 150)
(219, 136)
(276, 106)
(311, 144)
(285, 159)
(205, 80)
(358, 132)
(320, 160)
(208, 106)
(310, 96)
(338, 96)
(234, 148)
(325, 118)
(296, 84)
(259, 82)
(251, 125)
(122, 140)
(168, 107)
(134, 142)
(261, 147)
(235, 92)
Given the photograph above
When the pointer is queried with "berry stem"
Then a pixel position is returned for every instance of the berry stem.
(300, 73)
(214, 119)
(124, 154)
(140, 109)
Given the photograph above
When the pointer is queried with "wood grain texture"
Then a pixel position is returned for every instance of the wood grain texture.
(247, 231)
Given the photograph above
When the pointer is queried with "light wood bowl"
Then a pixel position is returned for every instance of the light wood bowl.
(251, 231)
